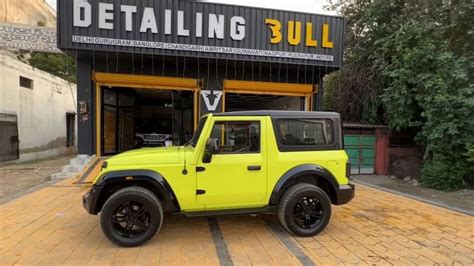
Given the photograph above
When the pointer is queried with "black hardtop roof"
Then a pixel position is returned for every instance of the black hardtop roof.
(285, 114)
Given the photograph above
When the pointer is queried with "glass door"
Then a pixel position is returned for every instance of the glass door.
(109, 126)
(118, 126)
(126, 132)
(182, 116)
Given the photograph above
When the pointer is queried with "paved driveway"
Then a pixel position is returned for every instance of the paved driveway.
(50, 227)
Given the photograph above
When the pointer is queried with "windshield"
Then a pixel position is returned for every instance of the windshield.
(198, 131)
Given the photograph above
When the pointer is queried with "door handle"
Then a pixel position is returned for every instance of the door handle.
(254, 167)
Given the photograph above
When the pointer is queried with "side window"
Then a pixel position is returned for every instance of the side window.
(306, 132)
(237, 137)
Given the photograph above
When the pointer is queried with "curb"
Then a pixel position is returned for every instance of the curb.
(425, 200)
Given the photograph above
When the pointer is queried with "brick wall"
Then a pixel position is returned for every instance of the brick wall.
(405, 161)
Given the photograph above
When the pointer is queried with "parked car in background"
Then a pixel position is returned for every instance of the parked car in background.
(152, 140)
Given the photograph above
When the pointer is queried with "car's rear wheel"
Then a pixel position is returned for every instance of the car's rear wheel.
(304, 210)
(131, 216)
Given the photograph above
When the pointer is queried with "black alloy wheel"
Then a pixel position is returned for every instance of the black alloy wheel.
(131, 219)
(307, 212)
(304, 210)
(131, 216)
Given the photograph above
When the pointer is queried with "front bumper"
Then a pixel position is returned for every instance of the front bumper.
(90, 199)
(344, 194)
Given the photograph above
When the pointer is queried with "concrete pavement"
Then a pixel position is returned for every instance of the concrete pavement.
(49, 226)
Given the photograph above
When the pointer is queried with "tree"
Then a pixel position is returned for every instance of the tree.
(410, 64)
(59, 65)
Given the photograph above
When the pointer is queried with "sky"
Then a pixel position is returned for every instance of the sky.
(309, 6)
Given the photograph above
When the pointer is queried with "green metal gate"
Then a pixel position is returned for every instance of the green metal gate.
(361, 151)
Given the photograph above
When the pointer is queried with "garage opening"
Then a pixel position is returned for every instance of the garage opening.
(143, 117)
(240, 95)
(246, 102)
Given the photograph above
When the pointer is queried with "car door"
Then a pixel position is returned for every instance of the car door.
(236, 176)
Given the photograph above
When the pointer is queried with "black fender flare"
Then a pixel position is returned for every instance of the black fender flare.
(154, 179)
(299, 171)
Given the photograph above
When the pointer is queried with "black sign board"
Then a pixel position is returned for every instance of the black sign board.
(184, 28)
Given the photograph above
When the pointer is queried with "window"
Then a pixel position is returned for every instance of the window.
(126, 100)
(305, 132)
(110, 97)
(26, 83)
(237, 137)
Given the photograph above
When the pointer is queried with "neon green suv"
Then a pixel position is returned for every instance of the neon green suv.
(290, 163)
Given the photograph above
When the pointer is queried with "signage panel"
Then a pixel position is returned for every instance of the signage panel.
(185, 28)
(30, 38)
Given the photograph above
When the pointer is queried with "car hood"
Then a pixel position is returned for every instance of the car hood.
(162, 155)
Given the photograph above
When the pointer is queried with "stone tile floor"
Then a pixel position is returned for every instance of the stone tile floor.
(460, 200)
(49, 226)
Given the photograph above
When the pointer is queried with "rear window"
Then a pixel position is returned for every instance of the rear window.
(305, 132)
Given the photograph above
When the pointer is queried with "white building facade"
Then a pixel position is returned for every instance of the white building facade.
(44, 107)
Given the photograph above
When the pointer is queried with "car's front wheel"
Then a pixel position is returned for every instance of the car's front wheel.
(304, 210)
(131, 216)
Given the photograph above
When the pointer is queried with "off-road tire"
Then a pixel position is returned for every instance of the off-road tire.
(137, 194)
(288, 202)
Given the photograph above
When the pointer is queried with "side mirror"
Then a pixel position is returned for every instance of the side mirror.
(212, 147)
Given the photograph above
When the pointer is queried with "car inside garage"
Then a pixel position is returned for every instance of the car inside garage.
(142, 117)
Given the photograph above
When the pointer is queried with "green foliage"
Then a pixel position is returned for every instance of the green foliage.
(443, 175)
(410, 64)
(59, 65)
(470, 152)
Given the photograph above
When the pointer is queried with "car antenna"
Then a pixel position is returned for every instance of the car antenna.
(185, 171)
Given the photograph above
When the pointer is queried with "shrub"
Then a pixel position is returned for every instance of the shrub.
(443, 175)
